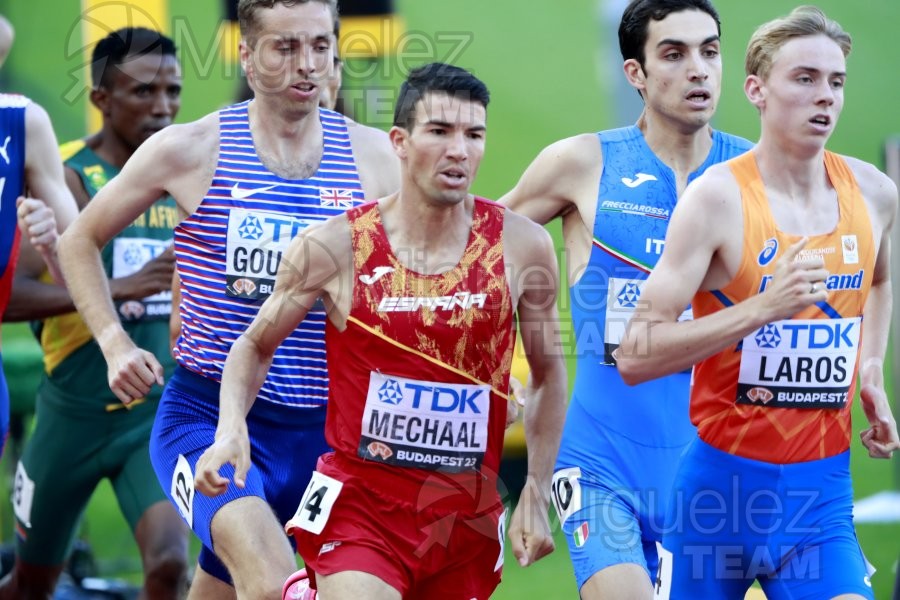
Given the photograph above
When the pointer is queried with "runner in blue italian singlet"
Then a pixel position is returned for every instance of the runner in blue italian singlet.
(611, 496)
(615, 192)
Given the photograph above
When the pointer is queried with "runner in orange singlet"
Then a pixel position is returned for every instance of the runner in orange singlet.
(784, 254)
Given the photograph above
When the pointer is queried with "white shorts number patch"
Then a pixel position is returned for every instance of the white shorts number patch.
(23, 496)
(182, 491)
(565, 492)
(662, 587)
(501, 535)
(316, 504)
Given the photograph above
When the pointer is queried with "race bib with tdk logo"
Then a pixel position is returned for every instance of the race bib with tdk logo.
(425, 424)
(799, 363)
(255, 243)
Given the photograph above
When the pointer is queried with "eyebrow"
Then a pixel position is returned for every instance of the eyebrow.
(291, 39)
(817, 71)
(449, 125)
(674, 42)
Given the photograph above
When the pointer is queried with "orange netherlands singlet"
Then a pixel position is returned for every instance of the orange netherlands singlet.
(419, 375)
(783, 394)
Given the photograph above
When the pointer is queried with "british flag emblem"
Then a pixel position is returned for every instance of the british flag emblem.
(335, 198)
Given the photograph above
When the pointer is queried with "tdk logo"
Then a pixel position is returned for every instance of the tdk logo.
(813, 336)
(819, 335)
(628, 296)
(390, 392)
(768, 337)
(430, 397)
(770, 249)
(254, 227)
(250, 229)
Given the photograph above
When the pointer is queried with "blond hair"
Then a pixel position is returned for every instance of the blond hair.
(803, 21)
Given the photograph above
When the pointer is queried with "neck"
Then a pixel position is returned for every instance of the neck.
(110, 147)
(429, 238)
(683, 149)
(278, 124)
(796, 172)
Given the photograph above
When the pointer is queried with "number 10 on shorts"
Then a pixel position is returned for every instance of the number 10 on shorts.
(316, 503)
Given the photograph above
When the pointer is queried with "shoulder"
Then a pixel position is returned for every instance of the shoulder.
(516, 230)
(69, 150)
(185, 146)
(376, 162)
(732, 141)
(876, 187)
(36, 118)
(573, 155)
(367, 140)
(564, 174)
(713, 195)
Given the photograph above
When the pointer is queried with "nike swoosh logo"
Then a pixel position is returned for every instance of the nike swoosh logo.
(377, 273)
(639, 178)
(239, 193)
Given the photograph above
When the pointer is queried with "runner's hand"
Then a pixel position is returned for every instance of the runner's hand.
(796, 283)
(529, 528)
(880, 439)
(132, 372)
(230, 448)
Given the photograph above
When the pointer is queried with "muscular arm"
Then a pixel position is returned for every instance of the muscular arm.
(172, 161)
(656, 343)
(563, 176)
(44, 180)
(535, 274)
(881, 437)
(32, 298)
(312, 267)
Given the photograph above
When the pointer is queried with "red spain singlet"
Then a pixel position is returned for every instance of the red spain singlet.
(783, 394)
(419, 375)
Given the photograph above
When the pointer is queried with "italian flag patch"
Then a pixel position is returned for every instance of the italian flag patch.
(581, 535)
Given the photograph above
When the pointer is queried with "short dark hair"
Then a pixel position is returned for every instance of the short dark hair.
(112, 50)
(636, 21)
(436, 78)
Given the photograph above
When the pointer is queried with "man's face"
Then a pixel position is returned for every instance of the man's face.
(803, 95)
(682, 73)
(445, 147)
(291, 54)
(142, 95)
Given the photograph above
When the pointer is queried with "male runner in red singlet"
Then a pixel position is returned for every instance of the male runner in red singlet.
(786, 253)
(423, 290)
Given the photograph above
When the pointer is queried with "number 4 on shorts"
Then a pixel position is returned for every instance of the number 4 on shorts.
(315, 506)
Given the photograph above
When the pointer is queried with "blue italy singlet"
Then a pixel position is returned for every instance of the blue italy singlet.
(229, 250)
(636, 198)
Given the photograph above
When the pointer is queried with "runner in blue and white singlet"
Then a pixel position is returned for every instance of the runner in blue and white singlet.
(246, 180)
(230, 248)
(228, 252)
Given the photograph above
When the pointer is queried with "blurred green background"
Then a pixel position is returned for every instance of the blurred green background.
(553, 70)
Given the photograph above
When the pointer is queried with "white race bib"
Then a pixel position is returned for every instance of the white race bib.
(799, 363)
(425, 424)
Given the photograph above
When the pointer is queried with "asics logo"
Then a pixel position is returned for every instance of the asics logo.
(377, 273)
(639, 178)
(239, 193)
